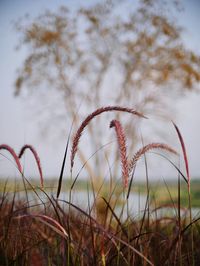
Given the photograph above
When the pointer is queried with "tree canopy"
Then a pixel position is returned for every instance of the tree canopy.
(109, 53)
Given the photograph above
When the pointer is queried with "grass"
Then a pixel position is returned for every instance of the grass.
(37, 228)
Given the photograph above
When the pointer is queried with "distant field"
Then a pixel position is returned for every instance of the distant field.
(159, 191)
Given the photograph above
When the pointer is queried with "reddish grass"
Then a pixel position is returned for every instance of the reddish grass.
(51, 233)
(89, 118)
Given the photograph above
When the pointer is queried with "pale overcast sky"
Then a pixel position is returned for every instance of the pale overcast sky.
(18, 127)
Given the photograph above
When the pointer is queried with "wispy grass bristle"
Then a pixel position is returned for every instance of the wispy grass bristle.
(147, 148)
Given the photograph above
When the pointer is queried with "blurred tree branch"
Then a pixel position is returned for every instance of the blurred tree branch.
(110, 53)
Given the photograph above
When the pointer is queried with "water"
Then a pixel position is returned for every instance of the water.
(85, 200)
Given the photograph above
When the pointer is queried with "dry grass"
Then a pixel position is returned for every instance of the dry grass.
(58, 232)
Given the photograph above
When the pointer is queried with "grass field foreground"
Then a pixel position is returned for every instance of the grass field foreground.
(50, 230)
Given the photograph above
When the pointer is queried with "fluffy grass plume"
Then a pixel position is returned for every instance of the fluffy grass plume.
(37, 159)
(89, 118)
(122, 148)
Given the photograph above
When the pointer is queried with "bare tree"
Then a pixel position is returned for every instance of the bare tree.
(108, 53)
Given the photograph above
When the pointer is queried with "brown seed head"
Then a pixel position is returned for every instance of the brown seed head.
(122, 148)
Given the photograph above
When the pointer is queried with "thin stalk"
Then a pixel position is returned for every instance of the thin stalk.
(179, 221)
(188, 185)
(192, 231)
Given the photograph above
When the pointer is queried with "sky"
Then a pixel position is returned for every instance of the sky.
(17, 124)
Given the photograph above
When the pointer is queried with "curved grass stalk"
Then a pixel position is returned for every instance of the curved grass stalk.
(44, 218)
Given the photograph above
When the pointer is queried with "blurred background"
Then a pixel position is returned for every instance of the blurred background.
(64, 59)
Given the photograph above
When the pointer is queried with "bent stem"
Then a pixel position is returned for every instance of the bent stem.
(188, 185)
